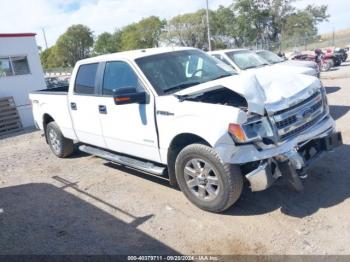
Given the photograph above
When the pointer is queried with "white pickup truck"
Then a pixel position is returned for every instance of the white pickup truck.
(178, 112)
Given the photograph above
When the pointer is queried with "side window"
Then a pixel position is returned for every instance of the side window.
(20, 65)
(14, 65)
(85, 79)
(119, 75)
(5, 67)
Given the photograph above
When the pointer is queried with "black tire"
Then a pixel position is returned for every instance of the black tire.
(229, 178)
(60, 146)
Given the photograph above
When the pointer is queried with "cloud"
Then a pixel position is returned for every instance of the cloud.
(100, 15)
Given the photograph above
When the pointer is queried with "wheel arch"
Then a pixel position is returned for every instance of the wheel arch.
(179, 142)
(46, 120)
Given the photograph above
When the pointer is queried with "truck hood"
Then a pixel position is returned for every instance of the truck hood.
(260, 88)
(280, 68)
(310, 64)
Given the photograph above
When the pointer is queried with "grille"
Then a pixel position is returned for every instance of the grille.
(294, 120)
(301, 128)
(286, 122)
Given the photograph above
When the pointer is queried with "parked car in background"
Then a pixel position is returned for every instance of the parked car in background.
(177, 112)
(273, 58)
(314, 56)
(243, 59)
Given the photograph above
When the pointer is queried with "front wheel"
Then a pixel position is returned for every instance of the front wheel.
(326, 66)
(205, 180)
(60, 146)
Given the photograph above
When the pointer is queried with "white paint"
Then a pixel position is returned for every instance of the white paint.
(123, 131)
(20, 86)
(272, 69)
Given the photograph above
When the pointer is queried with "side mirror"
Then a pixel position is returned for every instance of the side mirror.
(130, 95)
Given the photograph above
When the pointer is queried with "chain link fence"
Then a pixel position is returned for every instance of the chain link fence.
(302, 44)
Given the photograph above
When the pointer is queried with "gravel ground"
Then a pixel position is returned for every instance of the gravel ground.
(85, 205)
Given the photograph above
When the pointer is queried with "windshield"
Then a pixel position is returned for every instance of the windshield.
(270, 57)
(174, 71)
(246, 59)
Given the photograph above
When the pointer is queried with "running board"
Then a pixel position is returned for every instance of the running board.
(123, 160)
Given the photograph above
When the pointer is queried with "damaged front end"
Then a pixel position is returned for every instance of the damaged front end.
(292, 165)
(286, 125)
(303, 132)
(285, 141)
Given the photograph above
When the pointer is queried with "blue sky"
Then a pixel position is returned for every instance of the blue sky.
(70, 7)
(338, 9)
(106, 15)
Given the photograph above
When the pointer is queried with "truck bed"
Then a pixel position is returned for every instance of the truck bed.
(53, 103)
(62, 90)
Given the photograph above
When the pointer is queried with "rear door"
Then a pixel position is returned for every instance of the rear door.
(128, 128)
(83, 106)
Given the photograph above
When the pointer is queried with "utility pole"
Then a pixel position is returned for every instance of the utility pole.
(333, 42)
(43, 29)
(208, 27)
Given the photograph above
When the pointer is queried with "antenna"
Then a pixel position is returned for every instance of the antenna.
(208, 27)
(43, 29)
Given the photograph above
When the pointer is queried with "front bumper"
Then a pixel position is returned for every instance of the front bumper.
(294, 153)
(292, 164)
(233, 154)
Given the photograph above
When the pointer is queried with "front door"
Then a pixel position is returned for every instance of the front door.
(129, 128)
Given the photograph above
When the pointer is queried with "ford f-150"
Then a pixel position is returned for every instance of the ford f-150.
(178, 112)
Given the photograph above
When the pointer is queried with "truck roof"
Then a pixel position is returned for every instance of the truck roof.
(132, 55)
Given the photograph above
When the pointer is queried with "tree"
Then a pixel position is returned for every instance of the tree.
(318, 13)
(75, 44)
(50, 59)
(267, 20)
(107, 43)
(224, 28)
(144, 34)
(187, 30)
(303, 23)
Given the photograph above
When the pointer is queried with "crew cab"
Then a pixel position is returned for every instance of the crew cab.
(180, 113)
(242, 59)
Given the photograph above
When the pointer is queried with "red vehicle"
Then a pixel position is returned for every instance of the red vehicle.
(324, 63)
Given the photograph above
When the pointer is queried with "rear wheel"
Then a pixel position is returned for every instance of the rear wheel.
(205, 180)
(60, 146)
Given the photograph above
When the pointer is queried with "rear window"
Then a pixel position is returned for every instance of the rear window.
(85, 80)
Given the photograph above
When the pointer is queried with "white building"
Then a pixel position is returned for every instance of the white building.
(20, 72)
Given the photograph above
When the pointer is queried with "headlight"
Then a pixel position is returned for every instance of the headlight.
(253, 130)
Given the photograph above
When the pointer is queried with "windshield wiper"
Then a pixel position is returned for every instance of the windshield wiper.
(180, 87)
